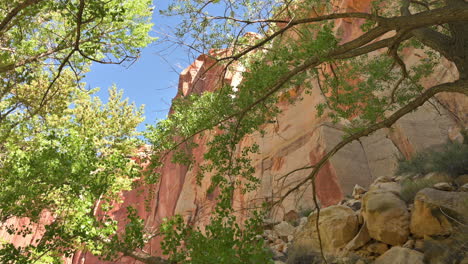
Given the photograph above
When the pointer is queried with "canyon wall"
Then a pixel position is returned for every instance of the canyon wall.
(298, 138)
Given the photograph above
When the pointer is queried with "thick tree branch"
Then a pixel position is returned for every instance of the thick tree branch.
(429, 37)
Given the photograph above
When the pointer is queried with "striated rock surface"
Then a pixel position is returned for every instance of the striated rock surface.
(386, 216)
(338, 225)
(297, 139)
(435, 210)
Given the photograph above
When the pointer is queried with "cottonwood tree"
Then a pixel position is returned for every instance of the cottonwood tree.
(63, 151)
(383, 87)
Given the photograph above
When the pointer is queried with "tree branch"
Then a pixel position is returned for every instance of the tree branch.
(429, 37)
(460, 86)
(15, 12)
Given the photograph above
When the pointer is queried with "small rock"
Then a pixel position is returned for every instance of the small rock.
(290, 238)
(464, 188)
(378, 248)
(284, 229)
(270, 235)
(462, 179)
(302, 222)
(399, 178)
(354, 204)
(444, 186)
(358, 191)
(277, 254)
(409, 244)
(382, 179)
(399, 255)
(291, 216)
(279, 247)
(269, 223)
(392, 187)
(437, 177)
(419, 245)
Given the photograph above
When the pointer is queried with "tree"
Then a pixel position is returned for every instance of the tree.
(64, 154)
(386, 89)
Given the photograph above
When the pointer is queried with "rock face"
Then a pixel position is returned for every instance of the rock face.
(338, 225)
(360, 239)
(434, 210)
(386, 216)
(301, 138)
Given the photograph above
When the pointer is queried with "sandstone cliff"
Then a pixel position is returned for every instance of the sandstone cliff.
(297, 139)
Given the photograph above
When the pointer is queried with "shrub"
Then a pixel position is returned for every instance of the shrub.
(410, 187)
(451, 158)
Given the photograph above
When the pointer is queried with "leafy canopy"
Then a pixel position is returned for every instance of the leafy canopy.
(63, 152)
(364, 83)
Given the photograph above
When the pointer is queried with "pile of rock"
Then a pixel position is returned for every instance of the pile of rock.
(378, 226)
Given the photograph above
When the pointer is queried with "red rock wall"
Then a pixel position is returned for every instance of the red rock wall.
(299, 138)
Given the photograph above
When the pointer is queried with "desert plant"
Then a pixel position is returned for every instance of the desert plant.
(410, 187)
(451, 158)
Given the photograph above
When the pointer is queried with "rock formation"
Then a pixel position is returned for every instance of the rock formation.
(437, 234)
(300, 138)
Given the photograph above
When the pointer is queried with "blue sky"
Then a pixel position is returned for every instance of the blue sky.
(152, 80)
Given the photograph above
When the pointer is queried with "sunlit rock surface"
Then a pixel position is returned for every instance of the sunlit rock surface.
(298, 138)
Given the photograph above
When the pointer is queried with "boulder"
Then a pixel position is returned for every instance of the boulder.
(444, 186)
(462, 180)
(338, 225)
(400, 255)
(437, 177)
(464, 188)
(434, 211)
(359, 240)
(386, 216)
(392, 187)
(377, 248)
(284, 229)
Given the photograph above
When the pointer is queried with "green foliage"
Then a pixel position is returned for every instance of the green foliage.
(63, 152)
(62, 165)
(223, 240)
(363, 89)
(451, 158)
